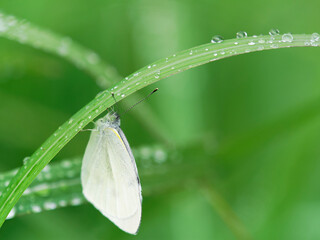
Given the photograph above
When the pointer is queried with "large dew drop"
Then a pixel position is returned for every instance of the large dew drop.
(274, 32)
(241, 34)
(217, 39)
(287, 37)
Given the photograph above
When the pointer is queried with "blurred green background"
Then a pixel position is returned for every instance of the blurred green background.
(259, 113)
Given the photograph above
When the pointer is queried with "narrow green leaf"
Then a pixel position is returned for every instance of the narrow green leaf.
(158, 70)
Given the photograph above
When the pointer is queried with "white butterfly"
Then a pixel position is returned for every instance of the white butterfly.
(109, 175)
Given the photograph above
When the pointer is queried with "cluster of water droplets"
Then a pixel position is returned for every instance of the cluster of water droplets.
(314, 40)
(275, 38)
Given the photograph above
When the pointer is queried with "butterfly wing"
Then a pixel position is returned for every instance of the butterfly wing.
(110, 179)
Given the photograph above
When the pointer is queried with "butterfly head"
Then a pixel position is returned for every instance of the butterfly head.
(112, 119)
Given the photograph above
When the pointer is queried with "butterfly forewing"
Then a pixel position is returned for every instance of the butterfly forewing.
(110, 179)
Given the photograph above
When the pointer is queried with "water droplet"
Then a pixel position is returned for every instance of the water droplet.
(251, 43)
(3, 26)
(50, 205)
(306, 43)
(156, 76)
(12, 213)
(27, 191)
(222, 52)
(76, 201)
(160, 156)
(66, 164)
(90, 117)
(93, 58)
(25, 160)
(217, 39)
(315, 37)
(287, 37)
(70, 121)
(274, 32)
(261, 40)
(123, 95)
(63, 49)
(274, 46)
(36, 209)
(190, 53)
(62, 203)
(46, 168)
(149, 66)
(241, 34)
(145, 152)
(236, 43)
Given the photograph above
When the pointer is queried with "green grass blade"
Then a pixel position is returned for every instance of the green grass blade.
(58, 184)
(158, 70)
(85, 59)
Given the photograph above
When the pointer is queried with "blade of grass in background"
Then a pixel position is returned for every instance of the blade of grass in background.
(85, 59)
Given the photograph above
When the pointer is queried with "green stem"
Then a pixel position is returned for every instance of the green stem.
(158, 70)
(225, 212)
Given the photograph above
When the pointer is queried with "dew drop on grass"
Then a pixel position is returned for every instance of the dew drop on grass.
(66, 164)
(76, 201)
(50, 205)
(251, 43)
(3, 25)
(287, 37)
(63, 48)
(46, 168)
(160, 156)
(93, 58)
(217, 39)
(36, 209)
(241, 34)
(274, 32)
(12, 213)
(25, 160)
(315, 37)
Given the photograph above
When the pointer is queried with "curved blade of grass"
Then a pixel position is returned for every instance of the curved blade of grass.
(85, 59)
(58, 184)
(158, 70)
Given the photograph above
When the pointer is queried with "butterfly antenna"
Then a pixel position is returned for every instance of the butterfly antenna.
(116, 103)
(140, 101)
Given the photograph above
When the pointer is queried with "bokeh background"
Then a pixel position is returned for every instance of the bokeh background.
(259, 113)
